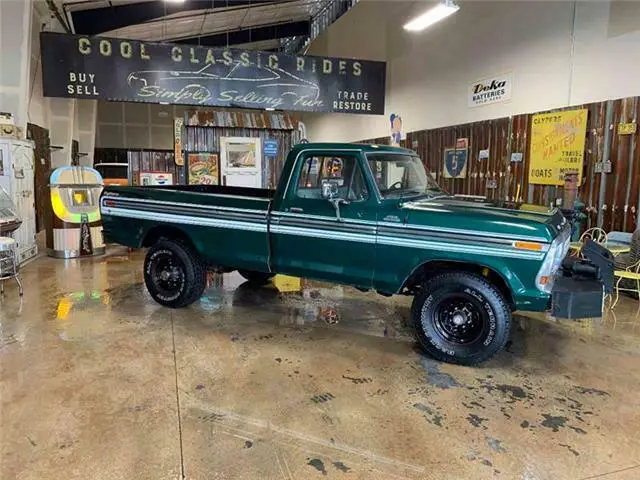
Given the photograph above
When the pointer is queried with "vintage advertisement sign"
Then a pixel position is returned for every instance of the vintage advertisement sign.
(557, 146)
(397, 133)
(203, 168)
(627, 128)
(270, 147)
(490, 90)
(178, 123)
(455, 162)
(100, 68)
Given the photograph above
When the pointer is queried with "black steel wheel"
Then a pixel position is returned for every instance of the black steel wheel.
(461, 318)
(174, 274)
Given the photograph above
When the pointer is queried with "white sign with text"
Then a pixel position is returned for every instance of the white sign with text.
(490, 90)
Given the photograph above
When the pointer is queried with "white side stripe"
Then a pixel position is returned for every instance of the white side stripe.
(451, 247)
(190, 220)
(327, 234)
(317, 233)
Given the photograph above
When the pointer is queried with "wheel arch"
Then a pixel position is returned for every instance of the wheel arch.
(167, 232)
(432, 268)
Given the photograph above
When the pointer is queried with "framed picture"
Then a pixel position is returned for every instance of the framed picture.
(203, 168)
(241, 161)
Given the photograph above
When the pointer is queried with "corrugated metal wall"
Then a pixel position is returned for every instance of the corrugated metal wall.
(611, 198)
(207, 139)
(153, 161)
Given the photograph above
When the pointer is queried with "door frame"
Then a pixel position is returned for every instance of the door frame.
(41, 172)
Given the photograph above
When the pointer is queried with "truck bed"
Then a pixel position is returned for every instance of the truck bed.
(227, 225)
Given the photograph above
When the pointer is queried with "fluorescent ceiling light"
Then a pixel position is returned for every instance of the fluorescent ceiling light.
(434, 15)
(174, 1)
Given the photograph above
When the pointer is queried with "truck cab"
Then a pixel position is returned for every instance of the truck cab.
(374, 217)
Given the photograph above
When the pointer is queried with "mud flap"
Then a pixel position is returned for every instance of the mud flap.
(573, 298)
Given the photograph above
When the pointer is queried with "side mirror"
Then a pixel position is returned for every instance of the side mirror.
(329, 189)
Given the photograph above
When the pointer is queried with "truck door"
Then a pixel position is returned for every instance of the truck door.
(310, 237)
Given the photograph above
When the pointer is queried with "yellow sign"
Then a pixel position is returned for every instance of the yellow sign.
(178, 123)
(627, 128)
(557, 146)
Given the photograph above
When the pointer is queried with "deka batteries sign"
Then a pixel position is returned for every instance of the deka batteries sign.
(99, 68)
(490, 90)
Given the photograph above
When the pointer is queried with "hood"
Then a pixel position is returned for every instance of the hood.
(479, 214)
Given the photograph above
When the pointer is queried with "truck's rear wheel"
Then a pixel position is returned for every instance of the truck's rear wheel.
(174, 274)
(461, 318)
(257, 278)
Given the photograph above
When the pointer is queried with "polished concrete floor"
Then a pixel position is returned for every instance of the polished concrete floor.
(99, 382)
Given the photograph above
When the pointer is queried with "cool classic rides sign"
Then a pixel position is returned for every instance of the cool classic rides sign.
(77, 66)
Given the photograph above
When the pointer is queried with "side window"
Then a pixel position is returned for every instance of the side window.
(344, 171)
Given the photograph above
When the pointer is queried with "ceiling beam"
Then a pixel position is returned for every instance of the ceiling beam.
(100, 20)
(258, 34)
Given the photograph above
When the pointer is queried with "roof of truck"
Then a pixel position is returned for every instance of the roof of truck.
(362, 147)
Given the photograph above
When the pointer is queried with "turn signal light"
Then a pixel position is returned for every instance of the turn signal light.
(544, 280)
(536, 247)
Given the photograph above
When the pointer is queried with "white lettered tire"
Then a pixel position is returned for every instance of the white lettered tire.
(174, 274)
(461, 318)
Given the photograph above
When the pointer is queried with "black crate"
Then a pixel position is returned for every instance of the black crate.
(576, 299)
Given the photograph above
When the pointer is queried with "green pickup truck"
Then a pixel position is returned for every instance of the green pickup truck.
(369, 216)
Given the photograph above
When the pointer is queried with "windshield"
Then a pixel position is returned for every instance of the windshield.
(402, 175)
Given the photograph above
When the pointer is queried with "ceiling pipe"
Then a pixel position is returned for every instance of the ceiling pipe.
(54, 9)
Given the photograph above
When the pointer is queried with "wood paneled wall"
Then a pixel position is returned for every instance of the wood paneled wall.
(611, 199)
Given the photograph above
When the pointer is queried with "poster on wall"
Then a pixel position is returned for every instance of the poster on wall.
(155, 178)
(490, 90)
(117, 69)
(557, 146)
(270, 147)
(455, 163)
(397, 133)
(203, 168)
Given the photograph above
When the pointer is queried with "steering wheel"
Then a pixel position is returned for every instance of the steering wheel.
(396, 186)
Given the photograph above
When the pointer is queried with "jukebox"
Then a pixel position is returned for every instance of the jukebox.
(73, 226)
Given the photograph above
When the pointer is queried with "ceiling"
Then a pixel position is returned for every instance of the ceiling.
(253, 24)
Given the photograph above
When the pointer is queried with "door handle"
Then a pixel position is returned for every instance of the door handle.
(296, 210)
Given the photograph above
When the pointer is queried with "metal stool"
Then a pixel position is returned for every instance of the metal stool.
(8, 263)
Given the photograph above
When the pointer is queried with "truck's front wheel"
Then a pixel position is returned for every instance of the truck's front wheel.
(461, 318)
(174, 274)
